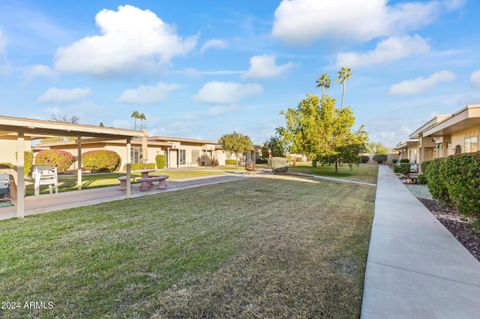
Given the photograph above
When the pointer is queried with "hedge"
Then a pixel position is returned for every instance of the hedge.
(404, 160)
(422, 179)
(423, 166)
(364, 159)
(101, 161)
(455, 180)
(380, 158)
(140, 166)
(60, 159)
(402, 168)
(161, 161)
(261, 161)
(394, 161)
(231, 162)
(28, 164)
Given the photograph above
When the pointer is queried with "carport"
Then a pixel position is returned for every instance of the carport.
(23, 129)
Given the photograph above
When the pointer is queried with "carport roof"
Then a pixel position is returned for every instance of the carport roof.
(34, 129)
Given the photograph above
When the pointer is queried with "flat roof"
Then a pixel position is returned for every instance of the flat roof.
(462, 119)
(435, 120)
(406, 144)
(34, 129)
(182, 139)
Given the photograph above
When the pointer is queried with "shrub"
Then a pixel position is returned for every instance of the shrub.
(161, 161)
(364, 159)
(422, 179)
(394, 161)
(461, 176)
(140, 166)
(424, 165)
(28, 163)
(261, 161)
(404, 168)
(380, 158)
(101, 161)
(435, 180)
(7, 165)
(279, 165)
(405, 160)
(60, 159)
(231, 162)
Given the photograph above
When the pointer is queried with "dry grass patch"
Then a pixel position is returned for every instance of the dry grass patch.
(252, 248)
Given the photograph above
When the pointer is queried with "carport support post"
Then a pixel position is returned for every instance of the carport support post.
(129, 167)
(20, 175)
(79, 161)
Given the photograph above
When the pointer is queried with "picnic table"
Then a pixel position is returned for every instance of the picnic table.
(145, 173)
(147, 182)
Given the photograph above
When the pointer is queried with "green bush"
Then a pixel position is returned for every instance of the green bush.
(394, 161)
(60, 159)
(404, 160)
(461, 176)
(7, 165)
(28, 163)
(140, 166)
(435, 180)
(231, 162)
(364, 159)
(424, 165)
(261, 161)
(279, 165)
(161, 161)
(101, 161)
(422, 179)
(380, 158)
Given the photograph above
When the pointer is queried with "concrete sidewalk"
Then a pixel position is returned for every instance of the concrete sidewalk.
(415, 267)
(50, 203)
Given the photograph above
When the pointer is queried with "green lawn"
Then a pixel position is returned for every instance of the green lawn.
(362, 173)
(69, 182)
(256, 247)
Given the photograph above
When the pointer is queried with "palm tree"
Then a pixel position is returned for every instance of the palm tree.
(142, 118)
(135, 116)
(343, 75)
(323, 82)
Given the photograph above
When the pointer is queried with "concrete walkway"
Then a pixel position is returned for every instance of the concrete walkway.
(50, 203)
(333, 179)
(415, 267)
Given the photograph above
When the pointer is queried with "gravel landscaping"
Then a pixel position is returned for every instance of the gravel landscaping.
(455, 222)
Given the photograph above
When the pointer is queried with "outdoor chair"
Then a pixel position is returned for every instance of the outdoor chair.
(45, 175)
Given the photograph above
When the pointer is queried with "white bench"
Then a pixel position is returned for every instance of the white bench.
(45, 175)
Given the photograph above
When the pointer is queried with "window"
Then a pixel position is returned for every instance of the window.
(182, 157)
(136, 155)
(196, 156)
(471, 144)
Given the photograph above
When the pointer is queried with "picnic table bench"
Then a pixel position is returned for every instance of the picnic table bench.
(123, 182)
(147, 182)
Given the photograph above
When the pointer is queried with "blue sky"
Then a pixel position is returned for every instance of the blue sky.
(203, 68)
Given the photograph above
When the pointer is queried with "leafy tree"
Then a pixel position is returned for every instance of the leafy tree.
(236, 143)
(323, 133)
(101, 124)
(324, 83)
(276, 145)
(377, 148)
(343, 75)
(134, 116)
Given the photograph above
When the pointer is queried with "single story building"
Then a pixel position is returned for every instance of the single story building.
(444, 135)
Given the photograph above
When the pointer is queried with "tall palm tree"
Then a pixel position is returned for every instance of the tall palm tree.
(323, 82)
(135, 116)
(343, 75)
(142, 118)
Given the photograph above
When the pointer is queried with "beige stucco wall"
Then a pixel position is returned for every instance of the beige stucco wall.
(8, 150)
(458, 138)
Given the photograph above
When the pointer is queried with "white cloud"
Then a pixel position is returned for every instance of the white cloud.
(61, 96)
(265, 66)
(147, 94)
(225, 93)
(475, 78)
(38, 71)
(421, 84)
(304, 21)
(213, 44)
(390, 49)
(130, 39)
